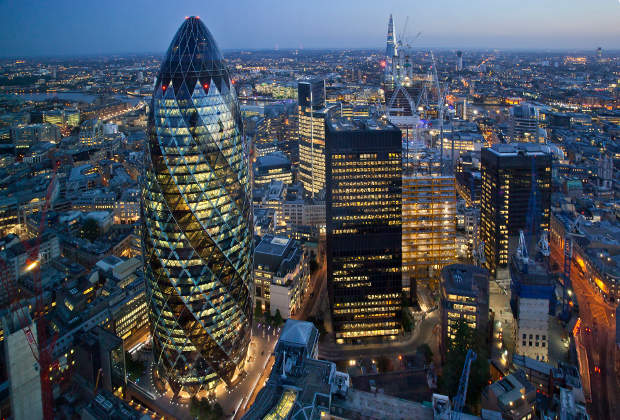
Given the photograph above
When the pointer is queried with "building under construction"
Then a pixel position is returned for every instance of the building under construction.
(429, 229)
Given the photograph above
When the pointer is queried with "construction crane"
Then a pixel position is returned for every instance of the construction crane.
(42, 345)
(440, 105)
(461, 396)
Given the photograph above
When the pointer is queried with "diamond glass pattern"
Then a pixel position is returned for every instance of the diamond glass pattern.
(196, 213)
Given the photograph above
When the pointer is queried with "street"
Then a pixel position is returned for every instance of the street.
(597, 334)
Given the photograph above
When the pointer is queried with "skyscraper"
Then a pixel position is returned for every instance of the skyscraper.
(390, 50)
(363, 212)
(506, 198)
(197, 221)
(429, 229)
(459, 61)
(312, 116)
(525, 124)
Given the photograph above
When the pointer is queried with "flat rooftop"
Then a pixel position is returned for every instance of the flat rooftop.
(361, 124)
(515, 149)
(273, 245)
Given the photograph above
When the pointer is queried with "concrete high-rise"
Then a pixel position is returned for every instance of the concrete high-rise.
(429, 229)
(506, 194)
(363, 212)
(197, 226)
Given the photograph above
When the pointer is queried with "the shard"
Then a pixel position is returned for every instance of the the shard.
(196, 231)
(390, 50)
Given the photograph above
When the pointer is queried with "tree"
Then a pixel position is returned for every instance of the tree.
(90, 229)
(406, 319)
(465, 338)
(135, 368)
(277, 319)
(313, 266)
(425, 350)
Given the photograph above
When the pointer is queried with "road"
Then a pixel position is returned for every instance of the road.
(597, 335)
(318, 282)
(232, 400)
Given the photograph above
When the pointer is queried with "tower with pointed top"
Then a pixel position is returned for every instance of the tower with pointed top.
(196, 233)
(390, 50)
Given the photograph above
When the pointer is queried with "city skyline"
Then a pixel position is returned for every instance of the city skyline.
(115, 28)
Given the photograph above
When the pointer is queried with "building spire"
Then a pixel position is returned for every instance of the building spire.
(390, 50)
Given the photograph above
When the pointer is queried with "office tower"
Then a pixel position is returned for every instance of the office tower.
(312, 117)
(429, 229)
(506, 198)
(599, 53)
(363, 212)
(525, 124)
(197, 232)
(459, 61)
(464, 296)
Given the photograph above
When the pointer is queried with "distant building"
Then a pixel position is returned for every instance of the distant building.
(274, 166)
(464, 296)
(459, 61)
(505, 200)
(280, 275)
(127, 208)
(91, 133)
(525, 124)
(513, 396)
(25, 136)
(364, 233)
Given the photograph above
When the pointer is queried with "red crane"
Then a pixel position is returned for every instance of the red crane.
(42, 346)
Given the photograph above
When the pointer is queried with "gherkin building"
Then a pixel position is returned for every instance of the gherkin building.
(196, 233)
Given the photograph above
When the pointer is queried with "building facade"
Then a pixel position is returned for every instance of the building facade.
(312, 118)
(280, 275)
(465, 297)
(364, 233)
(429, 229)
(507, 199)
(197, 226)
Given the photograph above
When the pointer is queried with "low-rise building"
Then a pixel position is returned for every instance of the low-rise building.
(464, 296)
(514, 396)
(280, 275)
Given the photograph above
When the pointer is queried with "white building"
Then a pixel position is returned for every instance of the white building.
(533, 329)
(280, 275)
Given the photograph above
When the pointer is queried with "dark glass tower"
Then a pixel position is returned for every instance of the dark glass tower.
(508, 201)
(364, 232)
(196, 213)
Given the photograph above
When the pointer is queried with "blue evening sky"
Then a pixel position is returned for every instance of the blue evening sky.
(66, 27)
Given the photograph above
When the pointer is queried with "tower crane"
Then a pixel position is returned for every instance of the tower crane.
(41, 346)
(440, 111)
(461, 396)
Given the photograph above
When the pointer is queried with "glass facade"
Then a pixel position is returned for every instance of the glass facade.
(197, 218)
(363, 212)
(506, 194)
